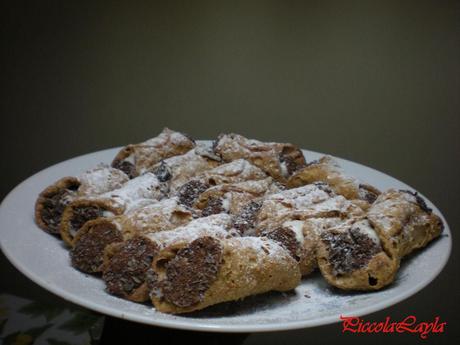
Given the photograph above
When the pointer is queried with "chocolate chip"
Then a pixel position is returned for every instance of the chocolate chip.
(286, 238)
(191, 272)
(127, 268)
(190, 191)
(293, 158)
(367, 194)
(83, 214)
(246, 219)
(214, 206)
(125, 166)
(349, 250)
(324, 187)
(88, 251)
(73, 187)
(54, 205)
(162, 172)
(372, 281)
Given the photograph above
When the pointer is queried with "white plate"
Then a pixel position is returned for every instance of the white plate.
(45, 260)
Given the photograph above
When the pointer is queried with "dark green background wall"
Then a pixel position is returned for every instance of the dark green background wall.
(375, 82)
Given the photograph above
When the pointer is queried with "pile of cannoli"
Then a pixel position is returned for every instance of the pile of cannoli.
(188, 224)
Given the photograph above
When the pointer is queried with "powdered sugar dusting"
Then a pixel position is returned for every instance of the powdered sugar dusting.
(215, 226)
(297, 227)
(254, 187)
(136, 192)
(235, 196)
(263, 248)
(266, 155)
(165, 213)
(336, 171)
(235, 171)
(336, 204)
(300, 197)
(165, 137)
(236, 143)
(100, 180)
(382, 211)
(168, 143)
(318, 225)
(364, 227)
(186, 166)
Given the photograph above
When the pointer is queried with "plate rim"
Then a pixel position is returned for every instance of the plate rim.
(230, 328)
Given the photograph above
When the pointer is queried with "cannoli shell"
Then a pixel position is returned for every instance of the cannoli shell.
(138, 192)
(232, 197)
(350, 257)
(52, 201)
(124, 267)
(327, 170)
(403, 222)
(276, 159)
(95, 235)
(136, 159)
(245, 266)
(180, 169)
(239, 170)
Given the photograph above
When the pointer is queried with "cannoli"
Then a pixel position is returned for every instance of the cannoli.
(290, 235)
(278, 207)
(136, 159)
(276, 159)
(312, 228)
(90, 241)
(403, 222)
(351, 257)
(287, 217)
(126, 263)
(311, 201)
(230, 198)
(209, 271)
(177, 170)
(137, 192)
(52, 201)
(327, 170)
(239, 170)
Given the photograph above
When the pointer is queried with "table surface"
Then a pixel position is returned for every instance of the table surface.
(374, 83)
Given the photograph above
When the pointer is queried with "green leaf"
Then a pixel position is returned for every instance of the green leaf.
(36, 309)
(79, 323)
